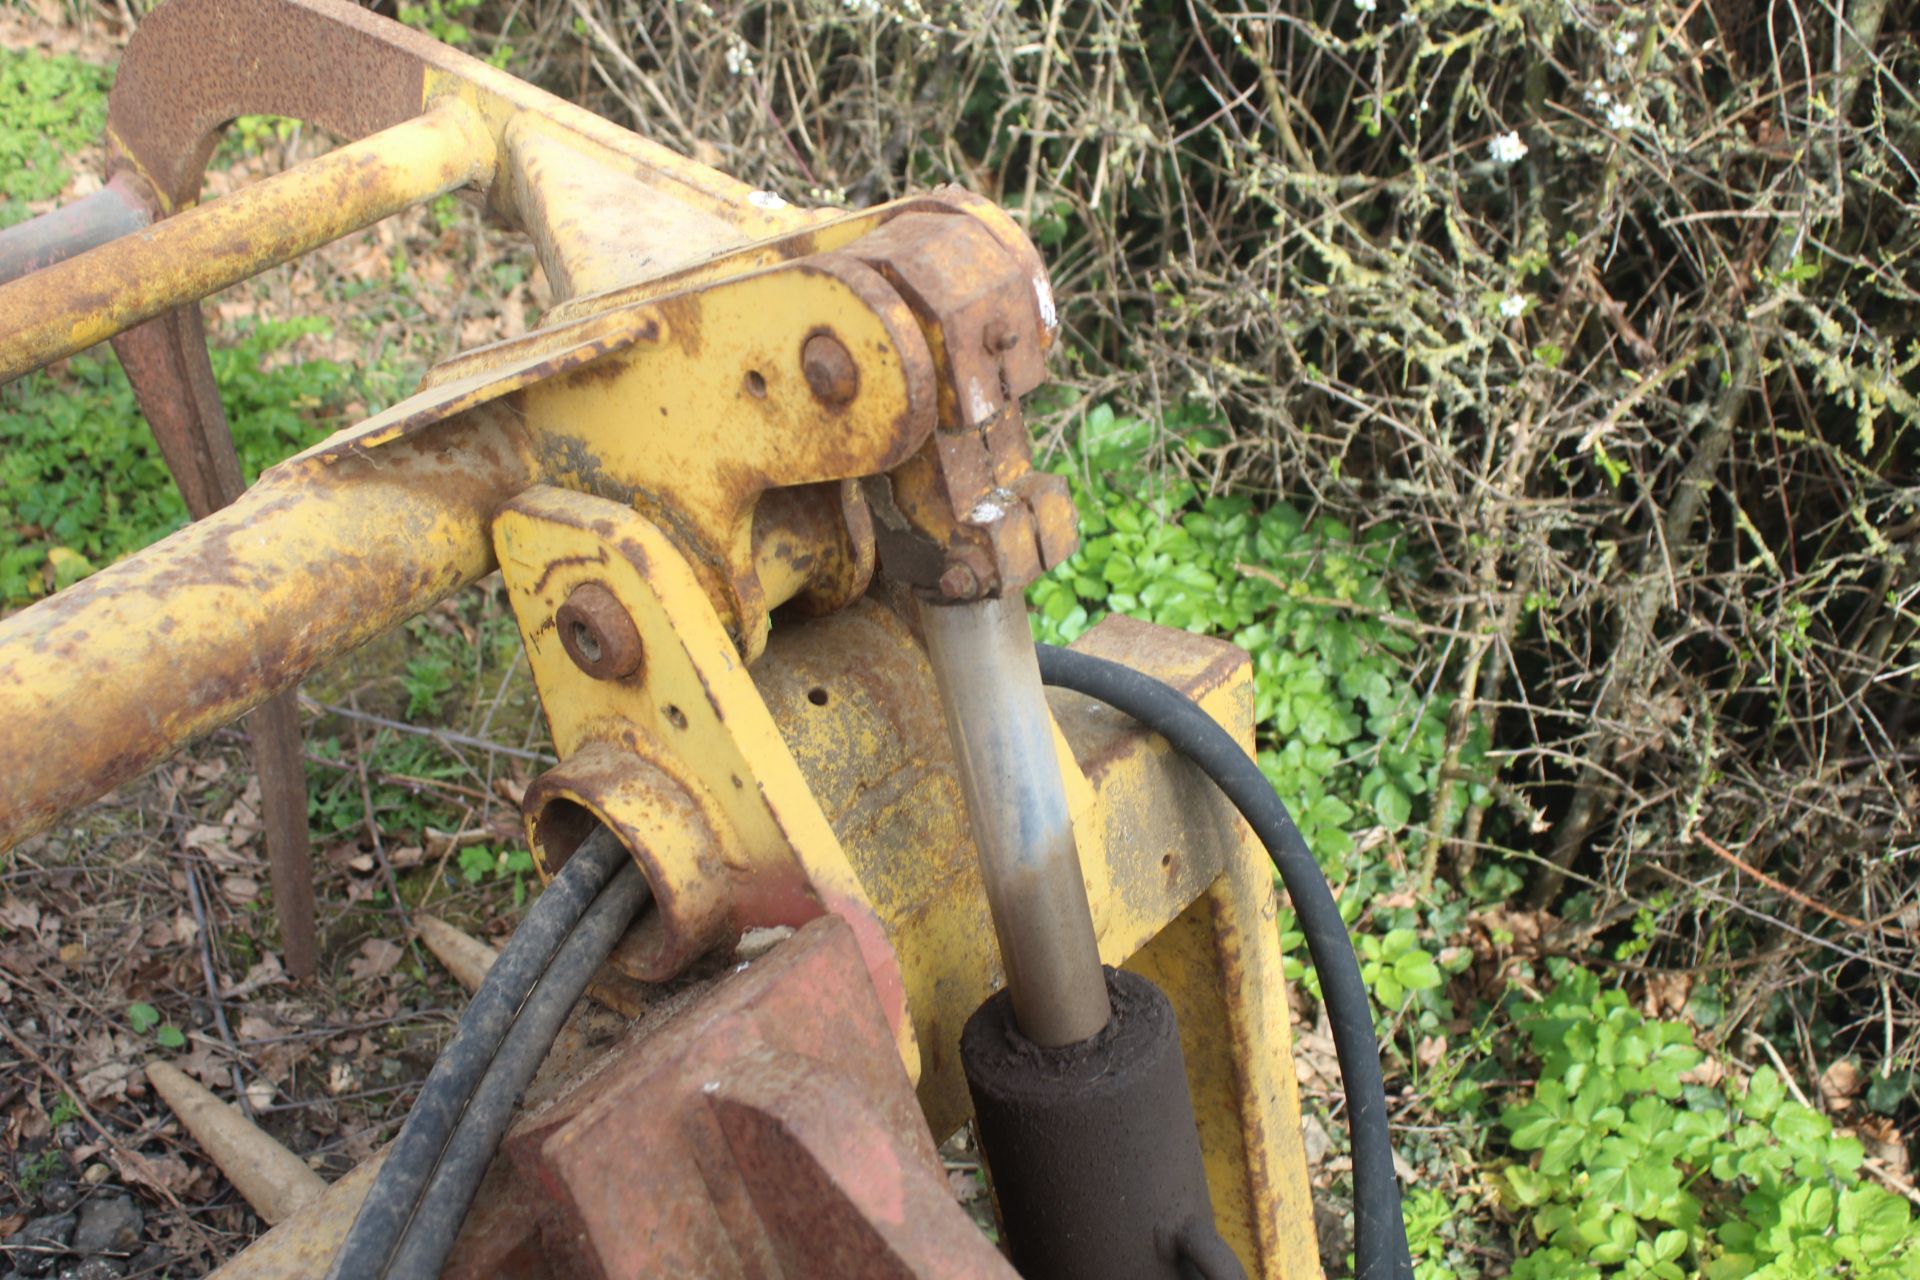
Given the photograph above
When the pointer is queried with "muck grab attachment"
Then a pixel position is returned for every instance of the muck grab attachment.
(762, 498)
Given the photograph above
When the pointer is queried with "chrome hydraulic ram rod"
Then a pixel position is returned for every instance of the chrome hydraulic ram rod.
(989, 680)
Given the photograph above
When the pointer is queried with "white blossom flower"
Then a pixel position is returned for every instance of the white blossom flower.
(1598, 97)
(1513, 305)
(1366, 6)
(1621, 116)
(1507, 149)
(1623, 43)
(739, 57)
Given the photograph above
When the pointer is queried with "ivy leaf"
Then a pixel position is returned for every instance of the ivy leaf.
(1393, 805)
(170, 1037)
(142, 1017)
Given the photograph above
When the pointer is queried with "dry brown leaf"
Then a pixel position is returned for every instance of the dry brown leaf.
(377, 957)
(203, 1066)
(240, 888)
(254, 1027)
(210, 842)
(167, 1174)
(264, 973)
(108, 1080)
(1886, 1143)
(15, 914)
(1666, 994)
(1840, 1084)
(1709, 1073)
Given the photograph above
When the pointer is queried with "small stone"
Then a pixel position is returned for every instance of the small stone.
(96, 1174)
(94, 1269)
(109, 1224)
(150, 1261)
(59, 1195)
(37, 1246)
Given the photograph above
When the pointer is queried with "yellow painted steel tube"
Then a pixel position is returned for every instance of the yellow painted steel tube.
(109, 677)
(71, 305)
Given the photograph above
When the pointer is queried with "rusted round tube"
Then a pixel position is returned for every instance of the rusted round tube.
(87, 223)
(989, 680)
(71, 305)
(112, 675)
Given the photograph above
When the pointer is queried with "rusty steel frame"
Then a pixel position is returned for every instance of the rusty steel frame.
(733, 405)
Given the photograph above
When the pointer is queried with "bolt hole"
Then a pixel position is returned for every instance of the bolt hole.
(1166, 860)
(817, 696)
(586, 642)
(756, 384)
(676, 717)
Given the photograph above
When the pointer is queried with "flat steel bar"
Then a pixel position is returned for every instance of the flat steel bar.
(1003, 743)
(166, 361)
(109, 677)
(86, 299)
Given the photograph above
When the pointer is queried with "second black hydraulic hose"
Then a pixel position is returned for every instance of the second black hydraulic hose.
(1380, 1234)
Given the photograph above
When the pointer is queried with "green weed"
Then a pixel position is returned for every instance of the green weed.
(51, 105)
(1640, 1171)
(82, 482)
(1348, 735)
(144, 1018)
(36, 1171)
(480, 863)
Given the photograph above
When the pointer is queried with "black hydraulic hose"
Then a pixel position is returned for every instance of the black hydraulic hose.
(443, 1207)
(1380, 1234)
(458, 1072)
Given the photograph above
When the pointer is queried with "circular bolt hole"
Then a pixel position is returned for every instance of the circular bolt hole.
(756, 384)
(676, 717)
(1166, 859)
(587, 642)
(817, 696)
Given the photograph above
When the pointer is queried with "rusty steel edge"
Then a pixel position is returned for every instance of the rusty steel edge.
(109, 677)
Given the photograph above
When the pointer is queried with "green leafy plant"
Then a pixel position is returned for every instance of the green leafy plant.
(51, 105)
(445, 21)
(480, 863)
(1395, 965)
(37, 1170)
(1347, 734)
(82, 482)
(1636, 1170)
(144, 1018)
